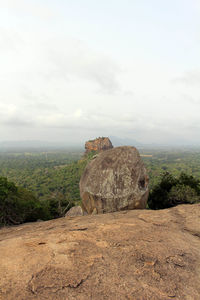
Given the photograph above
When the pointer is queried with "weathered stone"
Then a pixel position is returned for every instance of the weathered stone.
(100, 144)
(135, 255)
(115, 180)
(75, 211)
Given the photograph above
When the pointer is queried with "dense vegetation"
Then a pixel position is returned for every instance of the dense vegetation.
(47, 175)
(18, 205)
(173, 161)
(171, 191)
(53, 181)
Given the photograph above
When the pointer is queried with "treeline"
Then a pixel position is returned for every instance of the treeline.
(47, 175)
(173, 161)
(19, 205)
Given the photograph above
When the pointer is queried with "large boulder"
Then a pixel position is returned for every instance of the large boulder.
(114, 180)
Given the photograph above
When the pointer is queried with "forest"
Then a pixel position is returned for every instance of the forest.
(52, 177)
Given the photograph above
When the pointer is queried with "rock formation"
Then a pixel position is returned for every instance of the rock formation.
(135, 255)
(75, 211)
(100, 144)
(115, 180)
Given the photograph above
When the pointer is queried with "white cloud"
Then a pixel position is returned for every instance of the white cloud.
(78, 113)
(190, 78)
(33, 8)
(72, 59)
(38, 61)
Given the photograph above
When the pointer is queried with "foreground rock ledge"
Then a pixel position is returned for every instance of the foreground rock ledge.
(124, 255)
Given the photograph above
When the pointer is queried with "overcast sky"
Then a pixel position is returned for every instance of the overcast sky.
(72, 70)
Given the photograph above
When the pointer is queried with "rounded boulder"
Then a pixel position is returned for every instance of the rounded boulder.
(114, 180)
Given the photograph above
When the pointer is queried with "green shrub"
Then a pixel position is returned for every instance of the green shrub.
(180, 194)
(171, 191)
(18, 205)
(59, 206)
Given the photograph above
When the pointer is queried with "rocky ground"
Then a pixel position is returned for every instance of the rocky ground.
(138, 254)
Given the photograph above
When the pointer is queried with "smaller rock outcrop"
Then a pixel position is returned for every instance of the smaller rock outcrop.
(115, 180)
(99, 144)
(75, 211)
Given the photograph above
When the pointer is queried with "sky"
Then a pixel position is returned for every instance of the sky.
(72, 70)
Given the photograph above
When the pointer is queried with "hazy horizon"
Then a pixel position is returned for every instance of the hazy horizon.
(74, 70)
(32, 145)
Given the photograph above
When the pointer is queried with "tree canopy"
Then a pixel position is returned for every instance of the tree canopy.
(171, 191)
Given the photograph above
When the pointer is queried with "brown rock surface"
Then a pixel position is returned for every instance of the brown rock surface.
(147, 255)
(115, 180)
(99, 144)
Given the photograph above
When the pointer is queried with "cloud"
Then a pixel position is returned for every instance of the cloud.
(34, 101)
(33, 8)
(17, 121)
(9, 40)
(11, 116)
(192, 100)
(72, 59)
(56, 59)
(85, 123)
(190, 78)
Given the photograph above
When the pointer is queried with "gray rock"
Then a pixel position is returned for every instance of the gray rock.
(115, 180)
(75, 211)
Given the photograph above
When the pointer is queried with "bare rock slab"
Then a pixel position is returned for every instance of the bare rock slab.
(129, 255)
(115, 180)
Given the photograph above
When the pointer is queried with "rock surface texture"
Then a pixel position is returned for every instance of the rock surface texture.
(100, 144)
(137, 255)
(114, 180)
(75, 211)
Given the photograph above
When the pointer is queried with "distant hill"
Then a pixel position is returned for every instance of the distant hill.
(119, 141)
